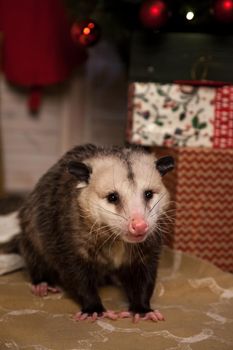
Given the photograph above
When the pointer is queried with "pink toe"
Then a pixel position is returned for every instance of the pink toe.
(40, 290)
(54, 289)
(83, 317)
(136, 318)
(94, 317)
(159, 316)
(153, 317)
(43, 290)
(111, 315)
(125, 314)
(77, 316)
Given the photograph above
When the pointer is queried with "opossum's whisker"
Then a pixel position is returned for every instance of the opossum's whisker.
(98, 231)
(169, 214)
(162, 232)
(85, 216)
(162, 227)
(113, 241)
(162, 216)
(172, 202)
(105, 241)
(141, 255)
(93, 226)
(148, 185)
(122, 205)
(110, 212)
(156, 204)
(168, 211)
(103, 244)
(102, 230)
(117, 190)
(165, 235)
(169, 219)
(106, 229)
(95, 232)
(136, 250)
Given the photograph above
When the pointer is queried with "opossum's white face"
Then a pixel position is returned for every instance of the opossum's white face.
(124, 197)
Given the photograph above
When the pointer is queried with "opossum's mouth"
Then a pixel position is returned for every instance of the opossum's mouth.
(130, 238)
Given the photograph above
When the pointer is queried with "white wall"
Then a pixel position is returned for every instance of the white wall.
(91, 108)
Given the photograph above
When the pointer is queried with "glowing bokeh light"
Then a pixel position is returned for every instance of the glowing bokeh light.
(228, 4)
(86, 31)
(189, 15)
(155, 10)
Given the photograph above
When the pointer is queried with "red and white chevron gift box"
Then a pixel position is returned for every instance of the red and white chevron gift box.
(204, 204)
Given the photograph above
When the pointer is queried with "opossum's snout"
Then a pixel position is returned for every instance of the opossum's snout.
(138, 226)
(137, 229)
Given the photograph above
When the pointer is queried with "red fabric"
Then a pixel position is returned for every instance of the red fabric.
(37, 47)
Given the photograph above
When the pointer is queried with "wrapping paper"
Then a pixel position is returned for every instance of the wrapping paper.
(195, 297)
(202, 188)
(204, 197)
(177, 115)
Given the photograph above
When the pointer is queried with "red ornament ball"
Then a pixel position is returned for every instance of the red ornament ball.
(153, 14)
(223, 10)
(85, 33)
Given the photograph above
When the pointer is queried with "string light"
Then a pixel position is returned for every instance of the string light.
(189, 15)
(228, 4)
(155, 10)
(223, 10)
(154, 13)
(86, 31)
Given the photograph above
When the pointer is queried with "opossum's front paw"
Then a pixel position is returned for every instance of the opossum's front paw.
(136, 317)
(80, 316)
(42, 289)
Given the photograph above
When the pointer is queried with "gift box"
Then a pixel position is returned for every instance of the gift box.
(202, 188)
(181, 115)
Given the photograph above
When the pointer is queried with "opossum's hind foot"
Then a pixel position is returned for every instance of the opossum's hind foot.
(136, 317)
(42, 289)
(154, 316)
(80, 316)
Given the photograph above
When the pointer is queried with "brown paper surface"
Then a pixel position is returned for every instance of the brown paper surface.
(195, 297)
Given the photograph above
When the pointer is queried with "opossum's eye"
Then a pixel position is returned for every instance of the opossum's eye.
(113, 198)
(148, 195)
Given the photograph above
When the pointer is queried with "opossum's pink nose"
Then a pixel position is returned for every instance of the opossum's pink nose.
(138, 226)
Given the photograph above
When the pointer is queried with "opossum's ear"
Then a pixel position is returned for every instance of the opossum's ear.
(165, 164)
(81, 171)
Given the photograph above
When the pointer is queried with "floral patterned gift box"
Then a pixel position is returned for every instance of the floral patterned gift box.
(181, 115)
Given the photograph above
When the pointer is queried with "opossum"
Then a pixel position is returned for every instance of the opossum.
(93, 219)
